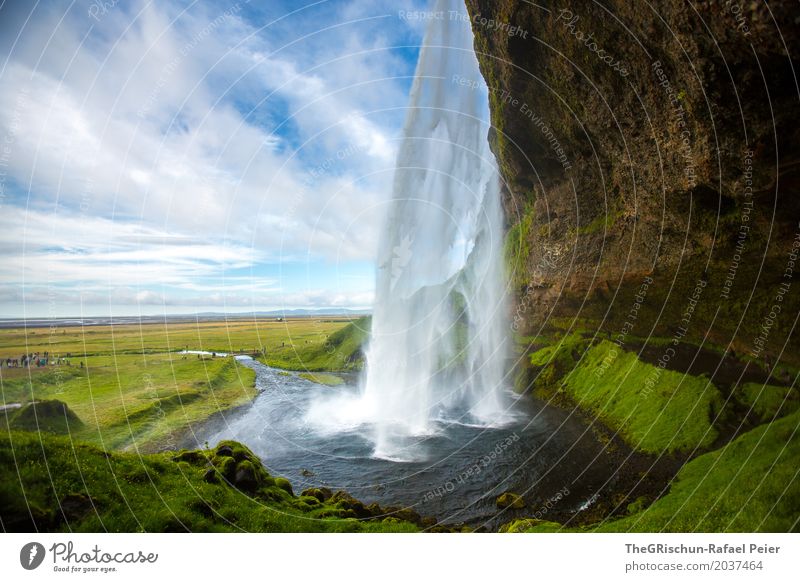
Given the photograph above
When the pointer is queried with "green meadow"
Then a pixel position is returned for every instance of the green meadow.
(130, 385)
(94, 444)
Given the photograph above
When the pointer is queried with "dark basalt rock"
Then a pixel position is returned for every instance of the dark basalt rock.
(611, 177)
(74, 506)
(246, 477)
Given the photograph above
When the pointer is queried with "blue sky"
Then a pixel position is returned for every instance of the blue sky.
(176, 157)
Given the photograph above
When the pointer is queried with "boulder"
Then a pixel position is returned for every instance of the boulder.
(510, 500)
(246, 477)
(284, 484)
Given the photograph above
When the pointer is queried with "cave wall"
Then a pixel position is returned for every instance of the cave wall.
(650, 159)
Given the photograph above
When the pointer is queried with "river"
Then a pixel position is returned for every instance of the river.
(457, 479)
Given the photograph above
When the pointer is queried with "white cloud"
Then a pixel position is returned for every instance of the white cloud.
(160, 131)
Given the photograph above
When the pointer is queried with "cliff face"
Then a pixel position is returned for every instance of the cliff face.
(651, 159)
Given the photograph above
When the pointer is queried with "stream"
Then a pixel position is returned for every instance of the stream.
(457, 478)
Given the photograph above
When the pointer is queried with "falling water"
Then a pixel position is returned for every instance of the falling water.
(438, 345)
(437, 348)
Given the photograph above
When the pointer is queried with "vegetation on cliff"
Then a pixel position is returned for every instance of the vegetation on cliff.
(342, 350)
(749, 485)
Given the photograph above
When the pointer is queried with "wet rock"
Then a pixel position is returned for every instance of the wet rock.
(510, 500)
(404, 514)
(246, 476)
(75, 505)
(322, 494)
(210, 476)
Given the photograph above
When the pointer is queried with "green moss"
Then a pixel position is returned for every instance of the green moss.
(749, 485)
(54, 483)
(554, 362)
(766, 401)
(517, 248)
(51, 416)
(524, 525)
(601, 223)
(654, 410)
(510, 500)
(284, 484)
(638, 505)
(320, 378)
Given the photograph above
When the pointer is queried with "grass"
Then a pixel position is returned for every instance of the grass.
(222, 336)
(338, 351)
(654, 410)
(320, 378)
(144, 399)
(749, 485)
(135, 388)
(72, 454)
(56, 484)
(517, 248)
(768, 402)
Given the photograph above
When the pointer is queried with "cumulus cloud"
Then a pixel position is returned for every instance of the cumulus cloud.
(164, 144)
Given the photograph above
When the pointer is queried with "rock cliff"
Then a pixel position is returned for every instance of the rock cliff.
(651, 162)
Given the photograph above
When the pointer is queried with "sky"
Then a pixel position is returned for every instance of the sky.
(181, 157)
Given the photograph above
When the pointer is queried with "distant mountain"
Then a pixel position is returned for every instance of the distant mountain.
(290, 313)
(13, 323)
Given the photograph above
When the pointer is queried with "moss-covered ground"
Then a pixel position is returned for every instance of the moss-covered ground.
(322, 378)
(747, 480)
(752, 484)
(655, 410)
(53, 483)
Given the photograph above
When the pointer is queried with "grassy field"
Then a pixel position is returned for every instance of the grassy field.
(337, 351)
(267, 335)
(130, 386)
(73, 457)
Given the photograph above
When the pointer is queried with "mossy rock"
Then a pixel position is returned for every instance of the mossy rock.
(309, 500)
(510, 500)
(192, 457)
(284, 484)
(404, 514)
(226, 466)
(320, 493)
(346, 501)
(247, 476)
(236, 450)
(391, 520)
(52, 416)
(527, 524)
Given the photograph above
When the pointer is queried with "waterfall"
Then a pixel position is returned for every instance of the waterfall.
(438, 345)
